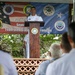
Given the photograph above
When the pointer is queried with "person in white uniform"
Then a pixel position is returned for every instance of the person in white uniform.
(55, 54)
(66, 64)
(34, 16)
(26, 43)
(7, 63)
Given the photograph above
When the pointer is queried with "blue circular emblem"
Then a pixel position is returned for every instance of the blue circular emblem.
(59, 25)
(8, 9)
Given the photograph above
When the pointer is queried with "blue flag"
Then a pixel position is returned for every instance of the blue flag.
(55, 17)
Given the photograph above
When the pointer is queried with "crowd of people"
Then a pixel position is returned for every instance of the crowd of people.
(64, 65)
(55, 53)
(58, 65)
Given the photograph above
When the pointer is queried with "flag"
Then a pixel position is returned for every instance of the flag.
(18, 17)
(55, 16)
(14, 14)
(3, 17)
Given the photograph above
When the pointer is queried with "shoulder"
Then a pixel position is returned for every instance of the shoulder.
(60, 60)
(45, 62)
(5, 52)
(52, 67)
(58, 63)
(5, 55)
(30, 16)
(40, 18)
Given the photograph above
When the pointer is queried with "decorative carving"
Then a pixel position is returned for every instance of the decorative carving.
(27, 66)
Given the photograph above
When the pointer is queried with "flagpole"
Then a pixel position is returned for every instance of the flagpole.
(73, 10)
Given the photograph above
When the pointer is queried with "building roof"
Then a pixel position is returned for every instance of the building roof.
(46, 1)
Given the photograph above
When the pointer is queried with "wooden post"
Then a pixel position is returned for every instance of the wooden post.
(34, 32)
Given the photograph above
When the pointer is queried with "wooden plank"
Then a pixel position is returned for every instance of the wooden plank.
(49, 1)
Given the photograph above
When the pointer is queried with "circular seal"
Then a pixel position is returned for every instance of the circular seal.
(59, 25)
(34, 30)
(48, 10)
(27, 9)
(8, 9)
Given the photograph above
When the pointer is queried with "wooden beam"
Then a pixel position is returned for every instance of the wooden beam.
(46, 1)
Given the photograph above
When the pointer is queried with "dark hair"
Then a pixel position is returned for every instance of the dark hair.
(0, 47)
(33, 7)
(3, 50)
(65, 42)
(71, 31)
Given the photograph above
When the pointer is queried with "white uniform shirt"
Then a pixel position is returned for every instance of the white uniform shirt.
(63, 66)
(34, 18)
(26, 39)
(42, 68)
(7, 63)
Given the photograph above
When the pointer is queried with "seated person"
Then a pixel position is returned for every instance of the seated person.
(6, 61)
(55, 54)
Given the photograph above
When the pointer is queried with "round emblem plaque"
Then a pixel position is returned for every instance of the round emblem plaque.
(34, 30)
(48, 10)
(27, 9)
(8, 9)
(59, 25)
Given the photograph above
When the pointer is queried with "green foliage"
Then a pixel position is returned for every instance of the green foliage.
(47, 40)
(15, 43)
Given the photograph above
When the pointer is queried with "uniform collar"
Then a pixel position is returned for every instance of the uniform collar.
(63, 54)
(72, 50)
(54, 58)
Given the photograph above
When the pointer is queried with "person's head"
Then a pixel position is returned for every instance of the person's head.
(71, 34)
(4, 48)
(0, 47)
(55, 50)
(65, 45)
(33, 11)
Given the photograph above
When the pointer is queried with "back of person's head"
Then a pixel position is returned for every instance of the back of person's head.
(71, 31)
(4, 48)
(55, 50)
(0, 47)
(65, 42)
